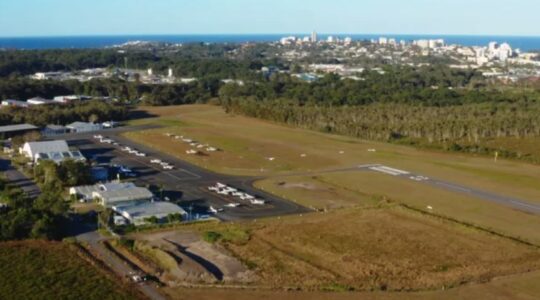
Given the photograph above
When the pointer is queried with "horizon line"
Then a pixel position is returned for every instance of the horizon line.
(264, 34)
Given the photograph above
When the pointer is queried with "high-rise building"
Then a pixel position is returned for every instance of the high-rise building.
(314, 37)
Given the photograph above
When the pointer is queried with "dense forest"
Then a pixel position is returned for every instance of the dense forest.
(41, 115)
(432, 104)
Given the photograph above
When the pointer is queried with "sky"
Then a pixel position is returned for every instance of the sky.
(119, 17)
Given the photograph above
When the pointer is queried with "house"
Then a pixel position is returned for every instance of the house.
(48, 75)
(80, 127)
(65, 99)
(121, 196)
(38, 101)
(53, 130)
(15, 103)
(138, 214)
(14, 130)
(86, 192)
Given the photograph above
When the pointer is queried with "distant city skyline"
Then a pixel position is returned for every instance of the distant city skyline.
(20, 18)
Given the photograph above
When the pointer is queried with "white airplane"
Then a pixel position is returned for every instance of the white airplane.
(214, 210)
(257, 202)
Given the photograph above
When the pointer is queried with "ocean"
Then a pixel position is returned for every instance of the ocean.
(78, 42)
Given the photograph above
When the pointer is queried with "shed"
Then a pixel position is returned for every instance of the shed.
(79, 127)
(14, 130)
(139, 213)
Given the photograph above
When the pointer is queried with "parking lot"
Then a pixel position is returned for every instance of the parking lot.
(181, 182)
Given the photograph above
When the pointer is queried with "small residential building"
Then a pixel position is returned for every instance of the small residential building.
(81, 127)
(14, 130)
(121, 196)
(86, 192)
(138, 214)
(15, 103)
(48, 75)
(66, 99)
(53, 130)
(38, 101)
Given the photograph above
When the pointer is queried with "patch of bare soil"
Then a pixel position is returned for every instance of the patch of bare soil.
(199, 261)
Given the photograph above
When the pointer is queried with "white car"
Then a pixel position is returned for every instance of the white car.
(126, 149)
(98, 137)
(233, 205)
(141, 154)
(213, 188)
(168, 167)
(155, 161)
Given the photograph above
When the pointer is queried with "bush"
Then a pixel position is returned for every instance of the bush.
(211, 236)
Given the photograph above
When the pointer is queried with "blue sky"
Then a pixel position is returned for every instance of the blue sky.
(114, 17)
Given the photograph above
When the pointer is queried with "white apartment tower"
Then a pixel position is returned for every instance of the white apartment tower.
(314, 37)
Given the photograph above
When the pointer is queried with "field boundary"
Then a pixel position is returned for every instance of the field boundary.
(469, 225)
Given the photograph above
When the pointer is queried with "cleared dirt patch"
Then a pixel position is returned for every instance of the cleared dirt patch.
(197, 259)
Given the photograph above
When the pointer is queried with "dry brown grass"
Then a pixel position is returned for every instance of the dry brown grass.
(519, 287)
(377, 249)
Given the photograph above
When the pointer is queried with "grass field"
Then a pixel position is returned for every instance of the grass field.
(365, 241)
(520, 287)
(363, 189)
(387, 249)
(49, 270)
(248, 143)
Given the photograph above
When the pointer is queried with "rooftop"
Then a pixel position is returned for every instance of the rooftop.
(148, 209)
(47, 146)
(17, 127)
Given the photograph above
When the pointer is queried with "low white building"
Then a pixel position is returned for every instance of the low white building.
(80, 127)
(86, 192)
(32, 149)
(38, 101)
(138, 214)
(15, 103)
(56, 151)
(131, 195)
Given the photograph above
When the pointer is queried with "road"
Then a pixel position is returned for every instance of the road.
(18, 179)
(515, 203)
(122, 269)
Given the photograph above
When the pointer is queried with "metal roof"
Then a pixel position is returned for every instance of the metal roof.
(17, 127)
(47, 146)
(88, 190)
(129, 194)
(149, 209)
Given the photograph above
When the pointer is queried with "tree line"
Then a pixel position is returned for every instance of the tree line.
(41, 115)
